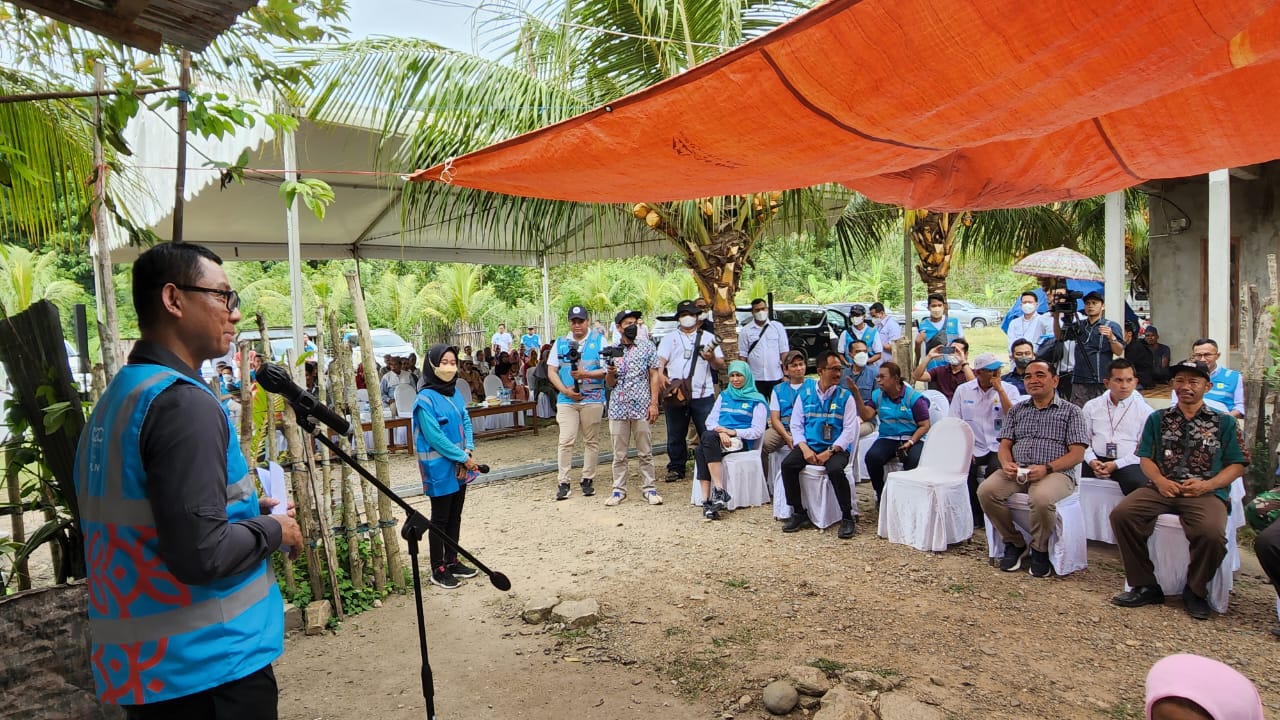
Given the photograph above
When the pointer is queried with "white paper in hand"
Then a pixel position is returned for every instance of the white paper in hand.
(272, 480)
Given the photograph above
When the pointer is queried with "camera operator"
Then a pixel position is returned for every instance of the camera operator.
(633, 407)
(579, 376)
(1097, 340)
(688, 356)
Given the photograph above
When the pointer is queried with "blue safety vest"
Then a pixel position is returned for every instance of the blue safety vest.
(787, 398)
(868, 336)
(590, 348)
(949, 331)
(154, 637)
(819, 413)
(736, 415)
(439, 473)
(896, 418)
(1223, 384)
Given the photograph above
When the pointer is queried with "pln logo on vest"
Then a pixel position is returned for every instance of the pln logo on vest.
(744, 406)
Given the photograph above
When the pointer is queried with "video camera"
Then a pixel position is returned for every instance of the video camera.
(1063, 301)
(611, 352)
(571, 358)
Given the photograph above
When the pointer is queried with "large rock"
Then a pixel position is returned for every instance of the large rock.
(577, 614)
(319, 613)
(897, 706)
(292, 617)
(840, 703)
(867, 682)
(779, 697)
(538, 610)
(809, 680)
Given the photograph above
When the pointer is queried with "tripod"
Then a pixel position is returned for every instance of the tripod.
(416, 525)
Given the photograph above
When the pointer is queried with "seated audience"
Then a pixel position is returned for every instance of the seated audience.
(1191, 687)
(1150, 358)
(983, 403)
(1041, 442)
(953, 371)
(1115, 420)
(904, 421)
(737, 417)
(781, 403)
(1226, 386)
(1022, 354)
(1191, 454)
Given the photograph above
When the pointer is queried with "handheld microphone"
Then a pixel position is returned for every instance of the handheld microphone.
(275, 379)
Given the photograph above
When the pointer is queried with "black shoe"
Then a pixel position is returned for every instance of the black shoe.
(588, 487)
(847, 529)
(674, 476)
(1012, 560)
(799, 521)
(459, 570)
(1139, 596)
(1040, 565)
(440, 577)
(709, 511)
(563, 491)
(1197, 607)
(720, 498)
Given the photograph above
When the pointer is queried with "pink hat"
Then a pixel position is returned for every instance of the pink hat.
(1224, 693)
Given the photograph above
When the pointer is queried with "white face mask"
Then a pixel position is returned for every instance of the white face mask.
(1028, 308)
(953, 359)
(936, 313)
(762, 315)
(688, 321)
(860, 359)
(446, 372)
(858, 320)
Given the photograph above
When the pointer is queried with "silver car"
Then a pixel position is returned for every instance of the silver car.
(965, 312)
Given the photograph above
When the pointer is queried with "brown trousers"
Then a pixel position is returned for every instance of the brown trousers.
(1043, 502)
(1204, 520)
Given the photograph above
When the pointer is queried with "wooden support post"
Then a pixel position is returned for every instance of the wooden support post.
(180, 185)
(308, 518)
(342, 377)
(104, 284)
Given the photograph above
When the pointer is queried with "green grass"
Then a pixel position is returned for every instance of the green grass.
(957, 589)
(1015, 595)
(988, 339)
(736, 583)
(673, 631)
(1124, 710)
(571, 635)
(827, 665)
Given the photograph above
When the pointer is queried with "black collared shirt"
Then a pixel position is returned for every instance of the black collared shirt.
(183, 444)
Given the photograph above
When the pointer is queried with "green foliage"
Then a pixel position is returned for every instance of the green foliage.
(827, 665)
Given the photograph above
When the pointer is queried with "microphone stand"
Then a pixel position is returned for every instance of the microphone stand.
(416, 525)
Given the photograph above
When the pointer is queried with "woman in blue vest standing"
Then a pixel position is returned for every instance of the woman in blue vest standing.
(738, 417)
(442, 438)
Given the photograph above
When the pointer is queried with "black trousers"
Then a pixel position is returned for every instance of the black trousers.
(835, 466)
(1128, 478)
(765, 387)
(252, 697)
(678, 429)
(446, 514)
(1267, 547)
(979, 469)
(710, 450)
(882, 452)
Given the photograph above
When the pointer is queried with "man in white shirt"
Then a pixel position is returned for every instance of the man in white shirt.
(762, 343)
(1031, 325)
(983, 403)
(689, 354)
(501, 340)
(1115, 420)
(890, 330)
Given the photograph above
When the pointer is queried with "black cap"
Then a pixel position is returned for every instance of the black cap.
(1191, 366)
(1151, 330)
(688, 307)
(857, 310)
(577, 312)
(622, 315)
(1094, 295)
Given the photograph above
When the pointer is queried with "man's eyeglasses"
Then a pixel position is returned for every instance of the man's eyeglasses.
(230, 296)
(1204, 355)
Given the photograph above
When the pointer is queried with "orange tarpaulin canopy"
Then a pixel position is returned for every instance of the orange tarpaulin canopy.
(947, 105)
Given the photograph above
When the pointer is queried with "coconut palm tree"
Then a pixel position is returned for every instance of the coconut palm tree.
(562, 59)
(26, 277)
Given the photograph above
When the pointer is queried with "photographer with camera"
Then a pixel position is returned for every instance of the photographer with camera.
(687, 357)
(578, 373)
(632, 376)
(1096, 339)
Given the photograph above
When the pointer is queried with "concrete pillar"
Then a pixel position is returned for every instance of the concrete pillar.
(1218, 309)
(547, 333)
(1114, 266)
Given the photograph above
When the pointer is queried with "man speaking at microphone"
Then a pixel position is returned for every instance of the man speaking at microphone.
(184, 613)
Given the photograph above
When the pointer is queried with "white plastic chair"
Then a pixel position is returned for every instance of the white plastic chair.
(1170, 552)
(405, 396)
(928, 507)
(1068, 547)
(743, 480)
(939, 408)
(864, 444)
(492, 385)
(544, 409)
(464, 389)
(1098, 497)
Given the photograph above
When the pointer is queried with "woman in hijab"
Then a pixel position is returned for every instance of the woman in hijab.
(442, 438)
(738, 417)
(1190, 687)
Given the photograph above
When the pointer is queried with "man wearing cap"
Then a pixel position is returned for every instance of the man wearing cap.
(778, 434)
(1097, 341)
(890, 330)
(762, 343)
(580, 404)
(690, 354)
(860, 329)
(633, 406)
(1226, 387)
(1150, 358)
(1115, 420)
(530, 340)
(984, 403)
(1191, 453)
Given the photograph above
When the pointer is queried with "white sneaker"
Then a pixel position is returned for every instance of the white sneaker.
(615, 498)
(653, 497)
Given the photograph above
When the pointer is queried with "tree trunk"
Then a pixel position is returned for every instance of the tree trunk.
(306, 517)
(246, 406)
(343, 379)
(717, 267)
(933, 237)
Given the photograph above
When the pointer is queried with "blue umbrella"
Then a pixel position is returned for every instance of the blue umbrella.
(1081, 286)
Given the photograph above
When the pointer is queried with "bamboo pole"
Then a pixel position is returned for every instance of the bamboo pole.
(71, 95)
(180, 185)
(306, 511)
(322, 394)
(342, 378)
(104, 284)
(269, 440)
(246, 405)
(386, 516)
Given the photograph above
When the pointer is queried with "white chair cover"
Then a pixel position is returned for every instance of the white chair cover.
(362, 399)
(928, 507)
(545, 409)
(1235, 521)
(1098, 497)
(864, 444)
(1170, 554)
(405, 396)
(743, 479)
(939, 406)
(462, 388)
(492, 384)
(781, 510)
(1068, 547)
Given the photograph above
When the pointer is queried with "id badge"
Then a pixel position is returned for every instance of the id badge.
(688, 354)
(1111, 450)
(828, 433)
(999, 424)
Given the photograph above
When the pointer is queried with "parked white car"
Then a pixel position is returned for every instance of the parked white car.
(968, 314)
(385, 342)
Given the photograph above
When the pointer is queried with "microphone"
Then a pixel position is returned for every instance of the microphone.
(275, 379)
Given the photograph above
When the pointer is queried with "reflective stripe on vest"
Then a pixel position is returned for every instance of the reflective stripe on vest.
(439, 473)
(896, 418)
(736, 415)
(590, 350)
(154, 637)
(868, 337)
(787, 398)
(819, 412)
(1222, 388)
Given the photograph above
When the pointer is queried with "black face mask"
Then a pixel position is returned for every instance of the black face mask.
(1022, 362)
(631, 332)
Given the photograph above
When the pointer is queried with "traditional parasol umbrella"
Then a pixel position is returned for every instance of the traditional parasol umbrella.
(1059, 262)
